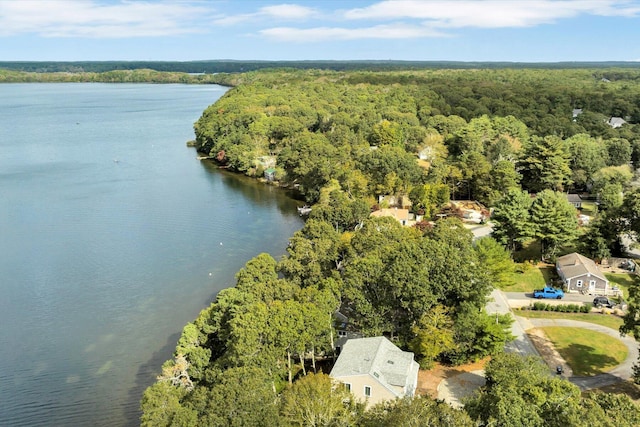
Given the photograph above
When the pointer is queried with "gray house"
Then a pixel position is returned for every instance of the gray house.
(575, 200)
(580, 274)
(375, 370)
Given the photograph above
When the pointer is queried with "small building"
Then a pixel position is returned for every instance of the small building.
(576, 112)
(403, 216)
(345, 331)
(581, 274)
(575, 200)
(616, 122)
(270, 174)
(375, 370)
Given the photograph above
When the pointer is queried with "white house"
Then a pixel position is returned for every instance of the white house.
(375, 370)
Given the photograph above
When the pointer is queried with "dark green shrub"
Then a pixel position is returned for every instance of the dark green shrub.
(540, 306)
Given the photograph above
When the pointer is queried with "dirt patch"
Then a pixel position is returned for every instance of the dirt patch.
(428, 381)
(547, 351)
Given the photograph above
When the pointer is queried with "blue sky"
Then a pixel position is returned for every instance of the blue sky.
(424, 30)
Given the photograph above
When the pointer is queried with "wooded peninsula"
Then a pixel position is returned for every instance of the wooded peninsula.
(359, 145)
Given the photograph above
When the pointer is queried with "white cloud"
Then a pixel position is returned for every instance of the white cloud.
(65, 18)
(491, 13)
(395, 31)
(275, 12)
(287, 11)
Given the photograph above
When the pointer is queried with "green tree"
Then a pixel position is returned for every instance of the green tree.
(502, 178)
(478, 334)
(242, 396)
(414, 412)
(512, 219)
(476, 176)
(315, 400)
(619, 409)
(341, 211)
(588, 155)
(544, 164)
(619, 150)
(429, 197)
(313, 253)
(391, 170)
(620, 175)
(630, 213)
(520, 392)
(161, 406)
(454, 271)
(387, 133)
(433, 335)
(593, 244)
(497, 261)
(554, 221)
(610, 196)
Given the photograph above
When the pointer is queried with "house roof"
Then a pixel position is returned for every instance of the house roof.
(574, 265)
(399, 214)
(616, 122)
(376, 356)
(577, 112)
(574, 198)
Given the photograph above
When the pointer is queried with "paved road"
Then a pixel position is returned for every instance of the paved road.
(568, 298)
(524, 299)
(521, 344)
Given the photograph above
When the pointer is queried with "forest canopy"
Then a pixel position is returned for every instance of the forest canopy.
(516, 140)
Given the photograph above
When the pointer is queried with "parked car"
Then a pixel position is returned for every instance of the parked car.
(548, 292)
(603, 302)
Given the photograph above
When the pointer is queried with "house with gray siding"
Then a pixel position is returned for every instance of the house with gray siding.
(581, 274)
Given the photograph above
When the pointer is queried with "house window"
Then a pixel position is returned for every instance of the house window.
(347, 386)
(367, 391)
(342, 333)
(592, 283)
(579, 284)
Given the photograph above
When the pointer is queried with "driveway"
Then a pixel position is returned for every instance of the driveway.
(480, 230)
(521, 345)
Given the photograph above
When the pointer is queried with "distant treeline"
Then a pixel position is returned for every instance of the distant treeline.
(116, 76)
(231, 66)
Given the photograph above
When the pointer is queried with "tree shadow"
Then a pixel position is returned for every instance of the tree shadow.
(146, 376)
(549, 273)
(586, 361)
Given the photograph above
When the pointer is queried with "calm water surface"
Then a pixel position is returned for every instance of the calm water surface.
(112, 236)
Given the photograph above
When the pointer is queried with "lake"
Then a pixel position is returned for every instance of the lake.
(113, 237)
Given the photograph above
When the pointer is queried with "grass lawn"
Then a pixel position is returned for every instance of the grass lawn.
(535, 277)
(624, 281)
(589, 208)
(587, 352)
(608, 320)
